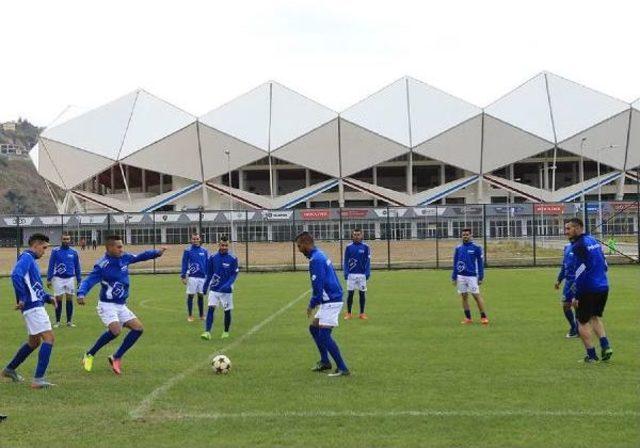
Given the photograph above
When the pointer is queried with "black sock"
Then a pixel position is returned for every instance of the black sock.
(190, 304)
(201, 305)
(349, 301)
(227, 319)
(362, 301)
(69, 305)
(483, 315)
(58, 311)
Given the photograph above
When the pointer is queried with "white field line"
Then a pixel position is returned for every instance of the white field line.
(388, 414)
(143, 407)
(143, 304)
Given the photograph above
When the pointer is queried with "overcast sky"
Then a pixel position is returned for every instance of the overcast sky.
(201, 54)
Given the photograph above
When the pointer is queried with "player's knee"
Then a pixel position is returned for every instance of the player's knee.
(34, 342)
(49, 337)
(115, 329)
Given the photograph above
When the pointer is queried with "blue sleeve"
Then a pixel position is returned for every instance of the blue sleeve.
(480, 263)
(78, 268)
(581, 262)
(52, 262)
(367, 263)
(345, 263)
(317, 283)
(90, 281)
(561, 275)
(144, 256)
(17, 278)
(232, 278)
(209, 275)
(185, 262)
(454, 273)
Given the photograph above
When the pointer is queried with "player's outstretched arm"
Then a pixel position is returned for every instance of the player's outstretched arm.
(89, 282)
(147, 255)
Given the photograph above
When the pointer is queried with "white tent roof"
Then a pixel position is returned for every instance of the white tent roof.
(409, 114)
(553, 111)
(633, 155)
(270, 119)
(138, 129)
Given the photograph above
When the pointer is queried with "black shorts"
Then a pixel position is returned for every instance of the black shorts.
(591, 304)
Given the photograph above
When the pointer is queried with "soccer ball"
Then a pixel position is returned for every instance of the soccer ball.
(221, 364)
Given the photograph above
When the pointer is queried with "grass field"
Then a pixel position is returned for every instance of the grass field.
(419, 377)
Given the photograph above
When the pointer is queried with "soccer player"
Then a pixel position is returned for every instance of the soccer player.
(568, 295)
(112, 271)
(30, 298)
(222, 271)
(64, 270)
(326, 296)
(467, 275)
(194, 269)
(591, 288)
(357, 270)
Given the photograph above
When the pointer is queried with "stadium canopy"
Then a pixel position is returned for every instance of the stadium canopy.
(409, 115)
(633, 155)
(270, 120)
(137, 129)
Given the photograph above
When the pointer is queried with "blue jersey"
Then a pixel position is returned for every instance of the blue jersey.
(113, 274)
(357, 259)
(64, 263)
(27, 282)
(222, 271)
(324, 281)
(589, 266)
(467, 261)
(194, 262)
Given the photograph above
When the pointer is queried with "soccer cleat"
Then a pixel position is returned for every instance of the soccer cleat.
(571, 334)
(587, 360)
(3, 418)
(467, 322)
(87, 362)
(606, 354)
(56, 325)
(190, 319)
(205, 336)
(348, 316)
(225, 335)
(321, 367)
(13, 375)
(339, 372)
(363, 316)
(484, 321)
(41, 383)
(71, 325)
(201, 317)
(115, 365)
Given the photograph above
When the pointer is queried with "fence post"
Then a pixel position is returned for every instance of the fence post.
(200, 222)
(153, 217)
(388, 239)
(108, 225)
(293, 238)
(340, 235)
(484, 233)
(18, 242)
(246, 242)
(437, 240)
(62, 227)
(534, 229)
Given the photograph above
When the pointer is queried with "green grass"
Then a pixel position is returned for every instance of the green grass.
(470, 386)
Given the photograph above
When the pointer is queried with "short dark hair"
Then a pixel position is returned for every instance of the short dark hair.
(66, 234)
(223, 239)
(113, 238)
(467, 229)
(575, 221)
(195, 234)
(305, 237)
(357, 229)
(38, 238)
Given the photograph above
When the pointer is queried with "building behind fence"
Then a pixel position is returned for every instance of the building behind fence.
(512, 234)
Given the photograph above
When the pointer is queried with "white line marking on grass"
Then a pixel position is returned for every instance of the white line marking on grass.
(143, 304)
(144, 406)
(382, 414)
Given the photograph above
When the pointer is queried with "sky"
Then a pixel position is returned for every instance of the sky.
(199, 55)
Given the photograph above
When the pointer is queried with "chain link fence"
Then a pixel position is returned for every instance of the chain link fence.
(400, 237)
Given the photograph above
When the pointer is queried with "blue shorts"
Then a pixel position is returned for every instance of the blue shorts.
(567, 293)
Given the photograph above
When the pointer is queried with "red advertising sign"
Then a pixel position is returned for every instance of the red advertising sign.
(624, 206)
(549, 209)
(315, 214)
(355, 213)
